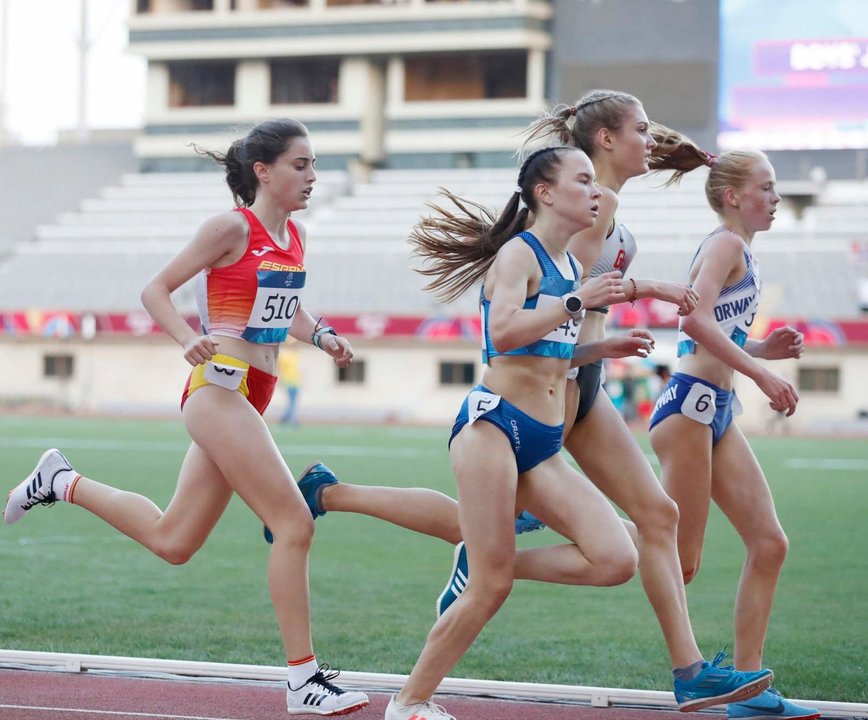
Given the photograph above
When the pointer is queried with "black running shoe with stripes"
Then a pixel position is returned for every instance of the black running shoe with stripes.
(318, 696)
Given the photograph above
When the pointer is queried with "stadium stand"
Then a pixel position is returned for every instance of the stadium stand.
(99, 256)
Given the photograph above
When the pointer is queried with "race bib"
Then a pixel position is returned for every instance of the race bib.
(700, 404)
(278, 295)
(273, 308)
(480, 402)
(223, 375)
(568, 331)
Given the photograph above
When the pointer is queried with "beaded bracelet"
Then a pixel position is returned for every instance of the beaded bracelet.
(635, 294)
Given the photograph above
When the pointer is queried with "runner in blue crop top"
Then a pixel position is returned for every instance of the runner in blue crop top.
(504, 447)
(561, 341)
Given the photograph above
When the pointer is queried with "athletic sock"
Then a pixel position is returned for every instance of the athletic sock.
(63, 485)
(689, 672)
(300, 671)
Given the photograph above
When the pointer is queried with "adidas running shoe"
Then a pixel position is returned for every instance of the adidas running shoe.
(716, 685)
(37, 489)
(318, 696)
(457, 580)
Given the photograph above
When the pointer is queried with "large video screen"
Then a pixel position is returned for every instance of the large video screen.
(793, 74)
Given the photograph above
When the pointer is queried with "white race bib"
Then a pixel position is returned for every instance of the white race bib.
(225, 376)
(700, 403)
(568, 331)
(273, 308)
(479, 403)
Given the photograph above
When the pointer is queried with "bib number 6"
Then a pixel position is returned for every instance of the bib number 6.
(700, 404)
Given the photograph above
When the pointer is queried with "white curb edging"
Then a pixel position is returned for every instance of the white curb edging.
(570, 694)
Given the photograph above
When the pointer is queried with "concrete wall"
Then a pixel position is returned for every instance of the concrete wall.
(664, 52)
(146, 376)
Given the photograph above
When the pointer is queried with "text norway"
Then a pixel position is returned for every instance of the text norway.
(732, 309)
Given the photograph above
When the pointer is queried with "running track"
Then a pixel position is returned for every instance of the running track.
(48, 695)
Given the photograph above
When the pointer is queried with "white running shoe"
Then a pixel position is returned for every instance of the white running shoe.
(319, 697)
(38, 488)
(420, 711)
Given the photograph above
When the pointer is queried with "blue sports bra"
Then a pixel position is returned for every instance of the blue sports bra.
(560, 342)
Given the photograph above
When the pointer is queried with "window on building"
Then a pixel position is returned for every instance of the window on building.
(456, 373)
(173, 6)
(201, 84)
(304, 81)
(332, 3)
(819, 379)
(486, 76)
(58, 366)
(267, 4)
(354, 373)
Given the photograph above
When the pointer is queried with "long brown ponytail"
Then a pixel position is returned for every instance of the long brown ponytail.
(459, 248)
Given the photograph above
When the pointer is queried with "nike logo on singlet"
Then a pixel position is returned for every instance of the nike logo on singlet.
(261, 251)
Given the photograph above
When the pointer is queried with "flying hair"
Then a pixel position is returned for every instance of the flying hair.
(458, 245)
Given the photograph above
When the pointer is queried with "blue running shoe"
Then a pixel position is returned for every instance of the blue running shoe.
(311, 483)
(770, 705)
(526, 522)
(716, 685)
(457, 580)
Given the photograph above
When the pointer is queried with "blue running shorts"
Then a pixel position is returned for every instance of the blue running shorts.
(698, 400)
(532, 441)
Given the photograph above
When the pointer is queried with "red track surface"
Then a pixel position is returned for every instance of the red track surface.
(36, 695)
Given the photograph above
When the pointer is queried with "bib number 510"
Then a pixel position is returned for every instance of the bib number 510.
(279, 307)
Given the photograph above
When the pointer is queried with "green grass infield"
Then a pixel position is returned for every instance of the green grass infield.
(72, 584)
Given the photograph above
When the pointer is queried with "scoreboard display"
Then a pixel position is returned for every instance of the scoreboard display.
(793, 74)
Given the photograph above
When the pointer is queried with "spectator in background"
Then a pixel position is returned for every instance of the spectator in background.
(289, 374)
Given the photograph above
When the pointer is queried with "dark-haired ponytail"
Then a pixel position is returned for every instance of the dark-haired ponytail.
(459, 248)
(263, 143)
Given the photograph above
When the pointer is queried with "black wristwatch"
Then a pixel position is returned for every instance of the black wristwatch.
(573, 305)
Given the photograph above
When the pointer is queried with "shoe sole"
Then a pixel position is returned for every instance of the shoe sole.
(334, 713)
(448, 588)
(811, 716)
(745, 692)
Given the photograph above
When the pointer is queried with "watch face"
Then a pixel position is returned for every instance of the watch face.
(574, 304)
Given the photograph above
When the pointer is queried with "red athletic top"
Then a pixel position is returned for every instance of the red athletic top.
(256, 297)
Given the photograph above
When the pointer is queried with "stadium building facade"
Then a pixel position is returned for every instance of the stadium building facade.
(401, 96)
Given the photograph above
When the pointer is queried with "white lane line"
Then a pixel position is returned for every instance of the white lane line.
(179, 446)
(115, 713)
(826, 464)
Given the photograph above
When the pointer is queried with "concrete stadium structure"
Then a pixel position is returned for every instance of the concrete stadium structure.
(402, 97)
